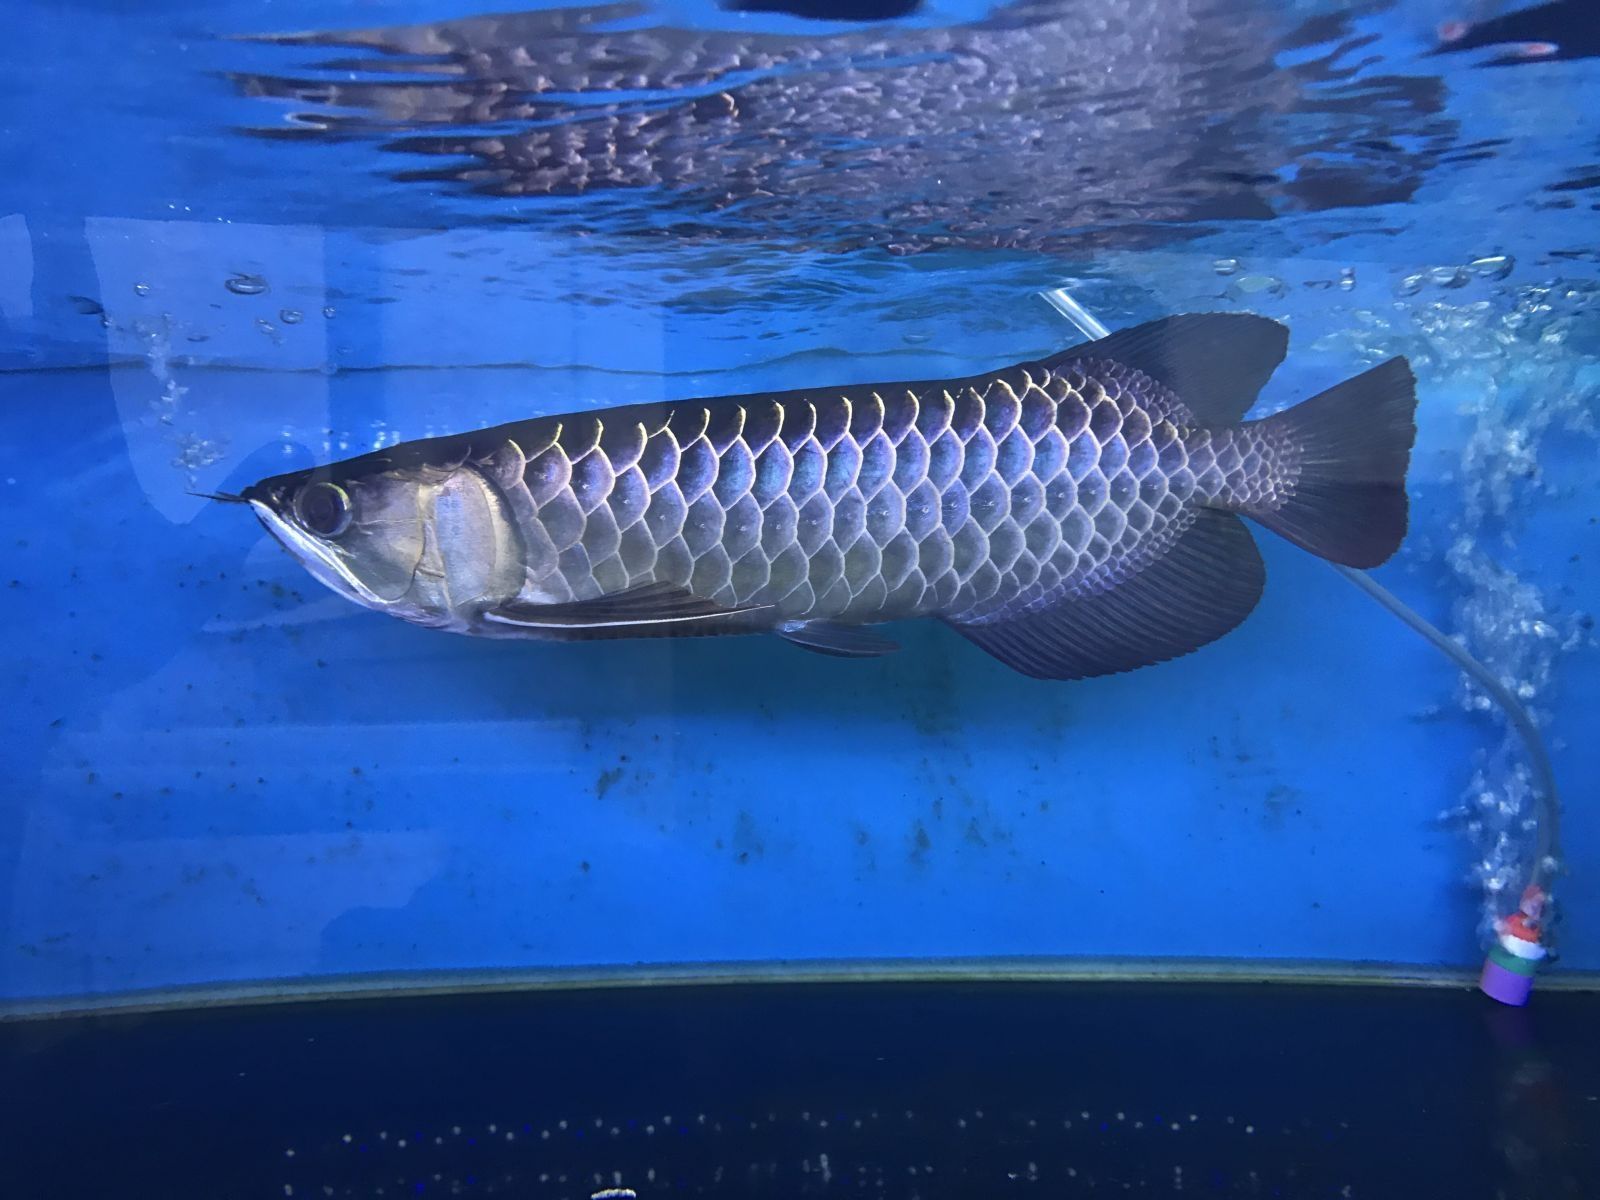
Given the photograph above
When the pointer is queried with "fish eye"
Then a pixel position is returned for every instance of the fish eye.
(324, 509)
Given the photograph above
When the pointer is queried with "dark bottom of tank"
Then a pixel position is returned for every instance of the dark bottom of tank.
(979, 1090)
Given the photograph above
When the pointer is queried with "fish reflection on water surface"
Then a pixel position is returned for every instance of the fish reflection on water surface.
(1048, 124)
(1074, 517)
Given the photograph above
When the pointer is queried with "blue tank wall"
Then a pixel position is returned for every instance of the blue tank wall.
(221, 773)
(214, 771)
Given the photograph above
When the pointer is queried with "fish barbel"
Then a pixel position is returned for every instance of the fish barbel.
(1073, 517)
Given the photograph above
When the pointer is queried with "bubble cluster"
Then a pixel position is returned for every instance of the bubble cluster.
(1489, 266)
(195, 452)
(1521, 355)
(191, 450)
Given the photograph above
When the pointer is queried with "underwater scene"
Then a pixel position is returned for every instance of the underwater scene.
(867, 597)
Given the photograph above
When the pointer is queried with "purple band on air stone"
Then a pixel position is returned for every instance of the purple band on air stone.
(1508, 987)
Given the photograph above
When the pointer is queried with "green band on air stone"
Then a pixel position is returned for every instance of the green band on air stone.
(1502, 957)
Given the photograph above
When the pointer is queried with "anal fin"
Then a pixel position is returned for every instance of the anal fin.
(650, 610)
(1202, 586)
(837, 639)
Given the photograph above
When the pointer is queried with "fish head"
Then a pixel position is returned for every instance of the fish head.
(434, 545)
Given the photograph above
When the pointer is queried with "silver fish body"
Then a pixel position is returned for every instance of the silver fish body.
(1009, 505)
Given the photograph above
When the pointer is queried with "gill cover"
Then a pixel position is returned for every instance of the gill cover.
(471, 544)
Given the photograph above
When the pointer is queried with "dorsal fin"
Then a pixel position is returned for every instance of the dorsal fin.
(1216, 363)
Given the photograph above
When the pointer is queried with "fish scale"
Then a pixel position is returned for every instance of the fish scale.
(997, 496)
(1073, 517)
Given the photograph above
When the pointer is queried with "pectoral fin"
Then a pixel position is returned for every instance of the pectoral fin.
(650, 610)
(836, 639)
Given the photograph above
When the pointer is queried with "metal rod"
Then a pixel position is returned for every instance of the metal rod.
(1547, 837)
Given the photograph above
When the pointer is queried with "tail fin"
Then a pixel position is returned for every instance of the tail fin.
(1348, 503)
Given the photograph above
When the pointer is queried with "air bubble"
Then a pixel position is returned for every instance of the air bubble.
(1347, 278)
(141, 289)
(1225, 266)
(328, 311)
(1252, 285)
(291, 316)
(1450, 277)
(246, 285)
(1493, 266)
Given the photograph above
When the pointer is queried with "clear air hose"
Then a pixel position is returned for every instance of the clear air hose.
(1508, 971)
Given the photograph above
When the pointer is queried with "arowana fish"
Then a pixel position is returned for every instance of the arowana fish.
(1073, 517)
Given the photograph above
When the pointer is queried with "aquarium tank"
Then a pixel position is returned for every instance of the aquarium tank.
(764, 598)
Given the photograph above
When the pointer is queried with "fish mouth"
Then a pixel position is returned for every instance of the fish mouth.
(320, 559)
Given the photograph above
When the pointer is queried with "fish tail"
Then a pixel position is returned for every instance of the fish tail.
(1349, 448)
